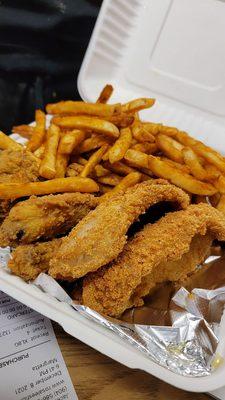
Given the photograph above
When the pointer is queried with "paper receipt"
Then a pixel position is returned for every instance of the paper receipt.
(31, 363)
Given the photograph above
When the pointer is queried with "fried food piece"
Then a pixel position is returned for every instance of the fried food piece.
(105, 94)
(44, 217)
(101, 236)
(16, 166)
(6, 143)
(167, 250)
(29, 260)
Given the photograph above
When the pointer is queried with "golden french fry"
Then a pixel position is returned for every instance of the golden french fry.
(61, 165)
(220, 184)
(192, 161)
(81, 160)
(60, 185)
(119, 168)
(39, 153)
(152, 127)
(136, 158)
(174, 164)
(170, 147)
(89, 144)
(141, 134)
(130, 180)
(221, 204)
(100, 171)
(25, 131)
(120, 147)
(48, 165)
(149, 148)
(84, 122)
(122, 120)
(82, 108)
(179, 178)
(74, 169)
(137, 105)
(212, 172)
(105, 94)
(39, 132)
(70, 141)
(93, 161)
(111, 180)
(6, 143)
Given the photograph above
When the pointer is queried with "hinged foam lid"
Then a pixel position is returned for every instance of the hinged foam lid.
(171, 49)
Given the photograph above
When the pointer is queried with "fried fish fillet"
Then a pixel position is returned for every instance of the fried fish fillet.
(101, 236)
(30, 259)
(44, 217)
(168, 250)
(16, 166)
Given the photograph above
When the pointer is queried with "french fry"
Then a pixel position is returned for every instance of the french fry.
(111, 180)
(39, 153)
(105, 94)
(61, 185)
(119, 168)
(93, 161)
(136, 158)
(25, 131)
(82, 160)
(39, 132)
(212, 172)
(97, 125)
(61, 165)
(130, 180)
(70, 141)
(122, 120)
(48, 165)
(220, 184)
(120, 147)
(152, 127)
(82, 108)
(170, 147)
(192, 161)
(141, 134)
(100, 171)
(6, 143)
(74, 169)
(174, 164)
(137, 105)
(92, 143)
(221, 204)
(149, 148)
(179, 178)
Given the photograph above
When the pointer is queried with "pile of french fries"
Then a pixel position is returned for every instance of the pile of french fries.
(104, 148)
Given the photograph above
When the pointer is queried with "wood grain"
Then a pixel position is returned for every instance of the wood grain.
(97, 377)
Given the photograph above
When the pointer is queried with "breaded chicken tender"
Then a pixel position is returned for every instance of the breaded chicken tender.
(101, 236)
(44, 217)
(167, 250)
(29, 260)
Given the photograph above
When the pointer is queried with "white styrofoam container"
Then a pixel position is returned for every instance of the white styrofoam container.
(172, 50)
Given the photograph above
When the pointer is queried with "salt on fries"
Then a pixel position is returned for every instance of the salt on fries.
(107, 147)
(77, 184)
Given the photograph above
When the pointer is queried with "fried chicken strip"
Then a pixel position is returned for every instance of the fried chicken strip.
(168, 250)
(29, 260)
(16, 166)
(44, 217)
(101, 236)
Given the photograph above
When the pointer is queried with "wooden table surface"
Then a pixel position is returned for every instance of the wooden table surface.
(97, 377)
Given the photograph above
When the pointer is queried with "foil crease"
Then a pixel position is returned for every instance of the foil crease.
(183, 337)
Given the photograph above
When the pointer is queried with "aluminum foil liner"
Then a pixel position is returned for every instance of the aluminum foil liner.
(179, 332)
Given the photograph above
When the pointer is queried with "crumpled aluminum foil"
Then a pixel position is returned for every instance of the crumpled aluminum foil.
(186, 346)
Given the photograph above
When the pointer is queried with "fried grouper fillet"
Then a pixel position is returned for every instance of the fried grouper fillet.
(16, 166)
(44, 217)
(101, 236)
(168, 250)
(29, 260)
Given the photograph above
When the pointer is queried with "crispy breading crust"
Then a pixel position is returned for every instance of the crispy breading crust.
(29, 260)
(44, 217)
(111, 290)
(101, 236)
